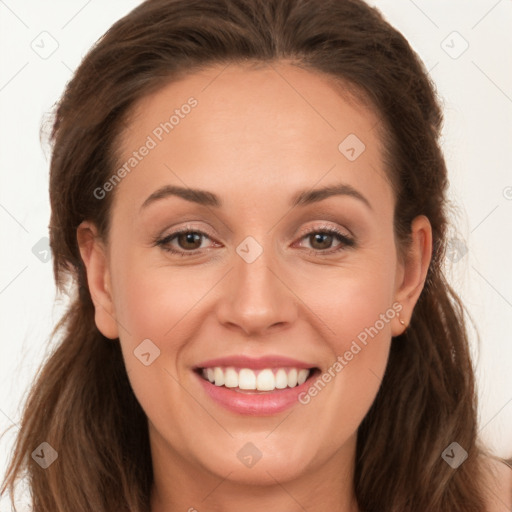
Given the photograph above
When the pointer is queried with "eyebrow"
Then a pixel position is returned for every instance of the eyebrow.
(301, 198)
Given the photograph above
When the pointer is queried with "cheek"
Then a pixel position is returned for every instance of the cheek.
(356, 303)
(151, 301)
(357, 314)
(346, 389)
(156, 307)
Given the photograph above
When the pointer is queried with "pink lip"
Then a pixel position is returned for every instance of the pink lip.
(255, 403)
(255, 363)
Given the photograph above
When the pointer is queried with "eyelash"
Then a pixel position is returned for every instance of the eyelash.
(346, 241)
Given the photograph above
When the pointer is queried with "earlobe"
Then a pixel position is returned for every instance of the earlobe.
(411, 278)
(94, 256)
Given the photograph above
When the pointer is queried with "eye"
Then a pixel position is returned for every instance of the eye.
(189, 241)
(321, 239)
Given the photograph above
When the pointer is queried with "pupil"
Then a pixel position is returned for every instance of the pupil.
(190, 238)
(323, 235)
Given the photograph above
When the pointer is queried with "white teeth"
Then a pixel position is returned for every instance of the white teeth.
(230, 378)
(292, 378)
(302, 376)
(267, 379)
(218, 376)
(246, 379)
(281, 379)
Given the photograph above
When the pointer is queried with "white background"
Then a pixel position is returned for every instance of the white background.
(476, 92)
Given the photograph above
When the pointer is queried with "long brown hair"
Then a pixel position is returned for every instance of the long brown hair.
(82, 403)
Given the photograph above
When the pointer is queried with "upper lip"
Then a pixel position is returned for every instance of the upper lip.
(256, 363)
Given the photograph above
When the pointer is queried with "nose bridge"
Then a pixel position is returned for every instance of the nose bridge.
(256, 285)
(252, 267)
(256, 297)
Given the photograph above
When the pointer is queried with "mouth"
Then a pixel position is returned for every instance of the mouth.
(256, 381)
(255, 386)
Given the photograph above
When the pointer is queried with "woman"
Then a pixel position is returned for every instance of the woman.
(249, 197)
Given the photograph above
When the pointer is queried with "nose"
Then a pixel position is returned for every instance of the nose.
(257, 298)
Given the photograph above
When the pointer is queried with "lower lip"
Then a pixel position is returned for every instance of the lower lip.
(257, 403)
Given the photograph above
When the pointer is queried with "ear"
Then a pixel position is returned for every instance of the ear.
(412, 272)
(94, 256)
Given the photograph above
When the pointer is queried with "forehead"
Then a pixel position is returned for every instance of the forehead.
(250, 130)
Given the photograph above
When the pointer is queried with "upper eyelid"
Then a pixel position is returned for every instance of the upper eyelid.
(305, 232)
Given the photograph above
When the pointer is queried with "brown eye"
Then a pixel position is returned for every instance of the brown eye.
(185, 242)
(321, 241)
(189, 240)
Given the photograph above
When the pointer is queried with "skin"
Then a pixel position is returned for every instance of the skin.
(256, 137)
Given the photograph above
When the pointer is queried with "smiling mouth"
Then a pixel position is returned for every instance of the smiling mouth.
(251, 381)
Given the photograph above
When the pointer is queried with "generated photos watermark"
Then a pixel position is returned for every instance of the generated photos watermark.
(152, 141)
(355, 348)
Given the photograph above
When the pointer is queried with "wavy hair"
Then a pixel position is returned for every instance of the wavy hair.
(82, 403)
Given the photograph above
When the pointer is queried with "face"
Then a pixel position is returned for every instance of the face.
(269, 269)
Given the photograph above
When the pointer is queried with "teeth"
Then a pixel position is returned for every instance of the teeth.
(230, 378)
(218, 376)
(281, 379)
(246, 379)
(292, 378)
(268, 379)
(301, 377)
(265, 381)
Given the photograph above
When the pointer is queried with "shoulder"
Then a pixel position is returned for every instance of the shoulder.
(498, 484)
